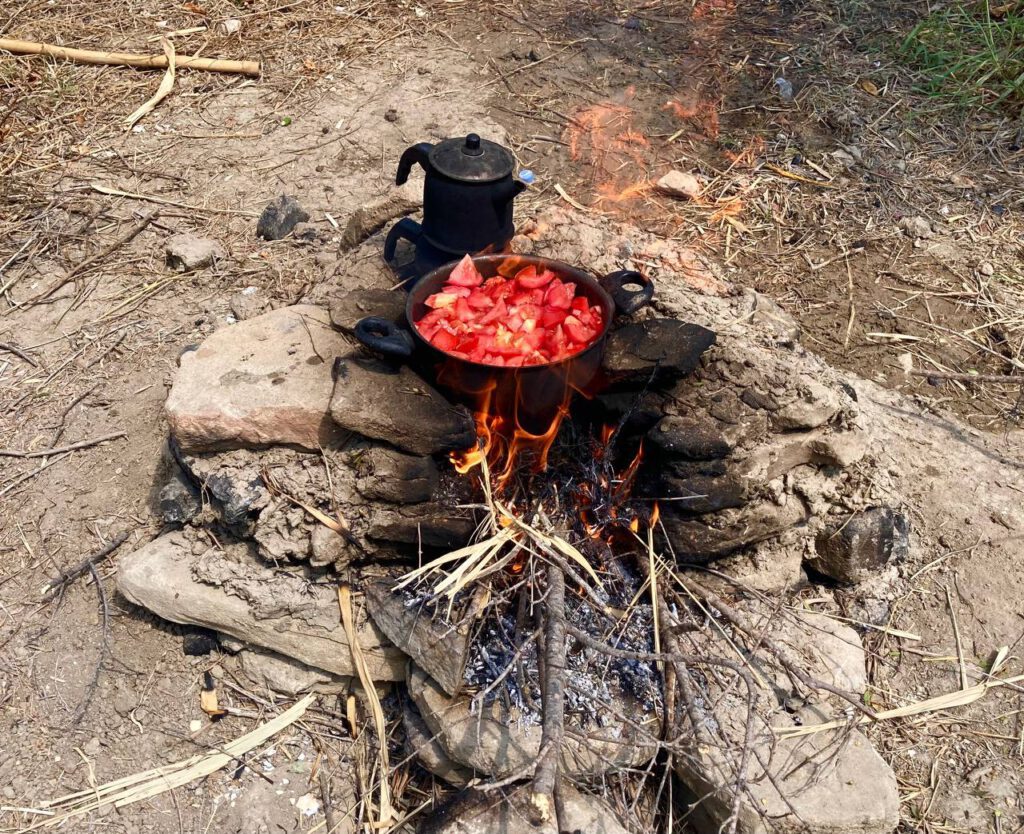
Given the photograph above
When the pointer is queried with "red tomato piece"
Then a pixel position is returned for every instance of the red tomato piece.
(560, 295)
(445, 341)
(440, 299)
(530, 279)
(577, 331)
(552, 316)
(479, 300)
(466, 274)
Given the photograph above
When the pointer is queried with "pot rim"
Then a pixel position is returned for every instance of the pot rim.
(436, 276)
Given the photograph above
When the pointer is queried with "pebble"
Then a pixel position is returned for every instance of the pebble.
(986, 269)
(195, 725)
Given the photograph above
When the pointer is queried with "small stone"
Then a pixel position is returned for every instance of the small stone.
(680, 185)
(186, 252)
(199, 642)
(307, 805)
(231, 26)
(280, 217)
(262, 382)
(248, 304)
(916, 228)
(689, 438)
(770, 315)
(667, 346)
(858, 548)
(347, 310)
(179, 500)
(327, 547)
(391, 115)
(986, 269)
(308, 233)
(814, 405)
(92, 747)
(195, 725)
(395, 405)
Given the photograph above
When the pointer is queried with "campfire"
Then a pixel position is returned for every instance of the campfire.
(540, 493)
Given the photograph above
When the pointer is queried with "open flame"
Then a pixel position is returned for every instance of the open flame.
(502, 439)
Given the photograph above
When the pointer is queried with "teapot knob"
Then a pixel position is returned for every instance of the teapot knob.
(472, 147)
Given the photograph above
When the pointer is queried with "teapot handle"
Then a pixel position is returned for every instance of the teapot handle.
(417, 153)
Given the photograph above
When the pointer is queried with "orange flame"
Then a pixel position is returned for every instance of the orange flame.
(655, 515)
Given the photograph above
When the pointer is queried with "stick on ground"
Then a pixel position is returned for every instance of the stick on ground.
(128, 59)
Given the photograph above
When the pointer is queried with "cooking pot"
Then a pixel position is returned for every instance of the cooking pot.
(532, 393)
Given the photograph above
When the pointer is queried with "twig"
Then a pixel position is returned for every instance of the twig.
(955, 377)
(104, 646)
(127, 59)
(88, 564)
(29, 475)
(18, 352)
(545, 777)
(964, 684)
(44, 453)
(325, 793)
(94, 259)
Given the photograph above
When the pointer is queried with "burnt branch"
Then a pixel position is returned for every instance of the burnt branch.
(545, 778)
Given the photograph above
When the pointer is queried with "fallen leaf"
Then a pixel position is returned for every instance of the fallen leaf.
(869, 86)
(195, 8)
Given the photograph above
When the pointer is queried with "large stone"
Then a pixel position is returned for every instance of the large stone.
(280, 217)
(261, 382)
(395, 405)
(713, 536)
(821, 447)
(430, 525)
(388, 475)
(289, 677)
(492, 740)
(637, 351)
(231, 592)
(428, 751)
(690, 438)
(348, 309)
(858, 548)
(439, 648)
(823, 783)
(508, 812)
(702, 494)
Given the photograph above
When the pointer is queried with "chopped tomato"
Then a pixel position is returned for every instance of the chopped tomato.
(466, 274)
(530, 319)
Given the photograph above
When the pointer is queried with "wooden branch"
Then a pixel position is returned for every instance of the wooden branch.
(128, 59)
(946, 375)
(545, 777)
(87, 564)
(43, 453)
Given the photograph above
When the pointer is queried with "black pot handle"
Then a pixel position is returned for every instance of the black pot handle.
(385, 337)
(628, 301)
(416, 154)
(405, 229)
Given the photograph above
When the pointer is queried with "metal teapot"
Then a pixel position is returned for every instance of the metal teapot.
(467, 200)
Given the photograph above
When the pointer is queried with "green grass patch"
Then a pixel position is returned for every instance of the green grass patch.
(971, 54)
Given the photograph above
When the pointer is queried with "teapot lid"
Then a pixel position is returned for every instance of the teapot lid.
(471, 159)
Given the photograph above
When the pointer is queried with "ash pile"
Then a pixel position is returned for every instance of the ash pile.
(555, 652)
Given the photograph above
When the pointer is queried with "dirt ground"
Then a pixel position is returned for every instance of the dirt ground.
(802, 199)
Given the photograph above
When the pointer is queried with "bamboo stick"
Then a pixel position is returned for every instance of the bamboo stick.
(127, 59)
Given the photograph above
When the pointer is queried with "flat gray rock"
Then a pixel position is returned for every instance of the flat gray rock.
(262, 382)
(380, 401)
(389, 475)
(858, 548)
(230, 591)
(440, 649)
(636, 351)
